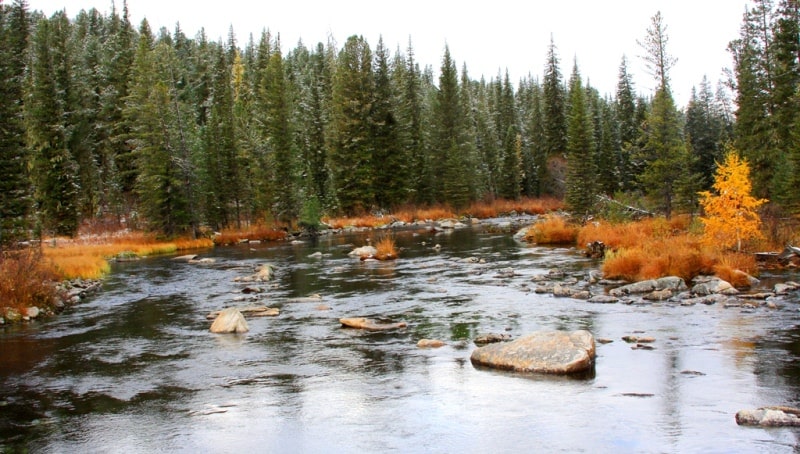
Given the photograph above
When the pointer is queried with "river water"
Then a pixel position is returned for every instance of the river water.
(135, 369)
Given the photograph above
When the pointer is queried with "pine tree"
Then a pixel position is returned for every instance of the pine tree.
(555, 124)
(221, 182)
(280, 144)
(629, 127)
(663, 156)
(451, 164)
(391, 161)
(55, 170)
(581, 157)
(15, 200)
(351, 157)
(534, 152)
(162, 138)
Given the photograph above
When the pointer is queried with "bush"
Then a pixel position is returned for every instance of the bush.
(386, 249)
(552, 230)
(25, 281)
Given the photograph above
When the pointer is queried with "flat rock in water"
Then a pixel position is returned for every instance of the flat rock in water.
(185, 258)
(769, 417)
(430, 343)
(363, 252)
(369, 324)
(549, 352)
(229, 320)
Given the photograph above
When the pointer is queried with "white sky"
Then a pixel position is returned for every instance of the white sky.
(492, 36)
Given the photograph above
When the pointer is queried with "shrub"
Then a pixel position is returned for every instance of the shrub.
(552, 230)
(25, 281)
(386, 249)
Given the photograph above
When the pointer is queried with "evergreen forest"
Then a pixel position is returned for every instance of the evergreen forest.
(104, 121)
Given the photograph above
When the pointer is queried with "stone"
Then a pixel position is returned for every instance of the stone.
(548, 352)
(203, 261)
(430, 343)
(229, 320)
(369, 324)
(659, 295)
(603, 299)
(714, 286)
(769, 417)
(316, 255)
(672, 283)
(635, 288)
(363, 252)
(185, 258)
(783, 289)
(33, 312)
(491, 338)
(263, 273)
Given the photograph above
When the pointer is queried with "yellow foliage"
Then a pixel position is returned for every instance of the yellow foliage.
(730, 214)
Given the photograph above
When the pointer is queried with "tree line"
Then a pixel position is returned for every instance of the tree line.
(104, 121)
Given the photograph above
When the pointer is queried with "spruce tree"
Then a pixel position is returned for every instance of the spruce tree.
(555, 125)
(55, 170)
(663, 157)
(351, 158)
(581, 168)
(280, 144)
(15, 200)
(391, 160)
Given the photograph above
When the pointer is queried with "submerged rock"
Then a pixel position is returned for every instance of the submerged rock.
(369, 324)
(769, 417)
(263, 273)
(491, 338)
(229, 320)
(430, 343)
(549, 352)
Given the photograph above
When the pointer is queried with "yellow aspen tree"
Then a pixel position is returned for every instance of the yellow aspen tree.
(730, 212)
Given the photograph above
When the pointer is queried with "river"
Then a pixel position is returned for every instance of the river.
(134, 368)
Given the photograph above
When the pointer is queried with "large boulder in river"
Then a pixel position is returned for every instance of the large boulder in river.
(769, 417)
(549, 352)
(229, 320)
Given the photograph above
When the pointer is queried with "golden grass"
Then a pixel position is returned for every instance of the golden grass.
(552, 230)
(88, 257)
(253, 233)
(25, 281)
(526, 205)
(386, 248)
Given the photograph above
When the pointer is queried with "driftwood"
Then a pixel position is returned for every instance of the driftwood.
(789, 256)
(635, 212)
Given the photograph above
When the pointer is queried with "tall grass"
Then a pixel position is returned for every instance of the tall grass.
(25, 281)
(552, 229)
(386, 249)
(252, 233)
(87, 258)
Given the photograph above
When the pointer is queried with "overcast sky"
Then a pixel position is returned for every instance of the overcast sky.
(489, 36)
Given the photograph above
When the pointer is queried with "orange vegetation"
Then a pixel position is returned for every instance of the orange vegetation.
(253, 233)
(87, 257)
(495, 208)
(23, 281)
(386, 249)
(657, 247)
(552, 230)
